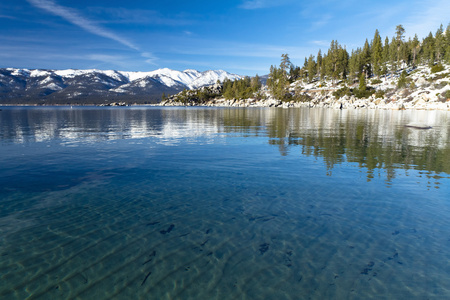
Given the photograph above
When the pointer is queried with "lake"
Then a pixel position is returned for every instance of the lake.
(223, 203)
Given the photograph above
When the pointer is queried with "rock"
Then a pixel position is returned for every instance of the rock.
(421, 81)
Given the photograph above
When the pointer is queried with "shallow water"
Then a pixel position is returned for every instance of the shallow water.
(207, 203)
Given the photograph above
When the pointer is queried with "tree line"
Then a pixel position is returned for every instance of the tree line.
(375, 58)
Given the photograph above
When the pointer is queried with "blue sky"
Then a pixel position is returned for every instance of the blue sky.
(242, 36)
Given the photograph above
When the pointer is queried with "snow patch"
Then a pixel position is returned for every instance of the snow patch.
(39, 73)
(53, 86)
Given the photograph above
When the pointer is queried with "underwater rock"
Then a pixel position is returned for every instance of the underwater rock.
(263, 248)
(366, 270)
(168, 230)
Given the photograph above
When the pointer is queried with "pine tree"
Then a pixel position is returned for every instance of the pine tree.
(336, 61)
(405, 52)
(362, 83)
(393, 54)
(386, 57)
(428, 49)
(447, 44)
(285, 64)
(344, 57)
(365, 59)
(278, 79)
(399, 35)
(323, 67)
(377, 54)
(386, 50)
(319, 63)
(311, 67)
(255, 83)
(353, 64)
(439, 43)
(415, 46)
(402, 80)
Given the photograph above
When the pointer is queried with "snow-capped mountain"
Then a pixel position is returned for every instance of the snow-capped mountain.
(98, 86)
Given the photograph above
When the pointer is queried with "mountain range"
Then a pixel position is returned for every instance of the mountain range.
(45, 87)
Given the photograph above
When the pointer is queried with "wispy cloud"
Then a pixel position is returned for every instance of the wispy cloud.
(258, 4)
(428, 17)
(322, 43)
(77, 19)
(222, 49)
(150, 58)
(321, 22)
(7, 17)
(140, 16)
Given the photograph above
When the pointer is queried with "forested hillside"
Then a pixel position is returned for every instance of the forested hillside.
(373, 59)
(393, 69)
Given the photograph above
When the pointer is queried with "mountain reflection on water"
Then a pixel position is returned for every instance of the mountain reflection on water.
(377, 141)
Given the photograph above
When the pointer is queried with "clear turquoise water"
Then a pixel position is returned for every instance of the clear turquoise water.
(205, 203)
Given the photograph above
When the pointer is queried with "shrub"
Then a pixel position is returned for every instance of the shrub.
(362, 93)
(447, 94)
(301, 98)
(344, 91)
(379, 94)
(402, 82)
(376, 81)
(437, 68)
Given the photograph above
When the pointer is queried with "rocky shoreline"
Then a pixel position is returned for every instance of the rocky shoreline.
(423, 101)
(425, 90)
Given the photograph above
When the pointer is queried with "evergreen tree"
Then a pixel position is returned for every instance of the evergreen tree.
(228, 92)
(319, 63)
(362, 83)
(386, 51)
(393, 55)
(428, 49)
(255, 83)
(399, 35)
(439, 43)
(402, 82)
(294, 73)
(323, 67)
(365, 59)
(277, 82)
(353, 64)
(447, 44)
(415, 45)
(311, 67)
(405, 52)
(377, 54)
(285, 64)
(336, 63)
(386, 57)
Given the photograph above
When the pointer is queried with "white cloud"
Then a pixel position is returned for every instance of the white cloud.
(428, 16)
(321, 43)
(236, 49)
(150, 59)
(75, 18)
(7, 17)
(257, 4)
(321, 22)
(140, 16)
